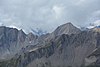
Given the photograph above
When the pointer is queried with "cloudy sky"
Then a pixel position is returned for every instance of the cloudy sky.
(48, 14)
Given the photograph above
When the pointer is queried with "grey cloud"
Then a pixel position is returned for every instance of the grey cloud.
(48, 14)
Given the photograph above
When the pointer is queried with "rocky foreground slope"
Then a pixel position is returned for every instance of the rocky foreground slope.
(67, 46)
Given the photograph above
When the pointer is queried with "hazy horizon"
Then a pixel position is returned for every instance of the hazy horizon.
(47, 15)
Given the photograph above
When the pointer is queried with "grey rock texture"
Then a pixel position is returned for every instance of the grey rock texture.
(67, 28)
(67, 46)
(12, 41)
(9, 38)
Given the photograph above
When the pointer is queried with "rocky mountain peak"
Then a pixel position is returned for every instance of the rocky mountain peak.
(31, 36)
(67, 28)
(8, 34)
(67, 46)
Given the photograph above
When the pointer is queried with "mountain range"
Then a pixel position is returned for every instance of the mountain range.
(67, 46)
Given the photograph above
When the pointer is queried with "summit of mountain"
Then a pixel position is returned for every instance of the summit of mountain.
(67, 28)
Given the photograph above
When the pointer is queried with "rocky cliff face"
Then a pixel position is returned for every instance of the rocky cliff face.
(12, 41)
(9, 39)
(67, 46)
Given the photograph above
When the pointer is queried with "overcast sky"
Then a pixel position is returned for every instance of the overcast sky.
(48, 14)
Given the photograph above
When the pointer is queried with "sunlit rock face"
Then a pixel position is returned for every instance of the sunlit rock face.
(67, 46)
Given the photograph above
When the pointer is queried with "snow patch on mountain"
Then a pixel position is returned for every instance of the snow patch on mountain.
(94, 24)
